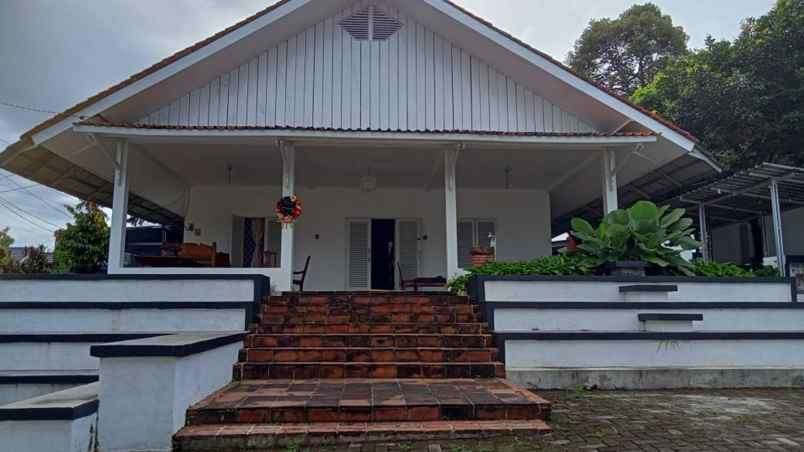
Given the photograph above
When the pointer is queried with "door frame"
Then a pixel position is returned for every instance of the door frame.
(347, 224)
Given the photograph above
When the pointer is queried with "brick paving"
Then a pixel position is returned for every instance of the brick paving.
(678, 420)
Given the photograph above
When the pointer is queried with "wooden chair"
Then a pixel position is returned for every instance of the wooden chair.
(300, 282)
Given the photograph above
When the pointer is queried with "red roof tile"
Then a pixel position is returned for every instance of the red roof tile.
(178, 55)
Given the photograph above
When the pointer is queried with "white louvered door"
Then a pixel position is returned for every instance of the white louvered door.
(358, 276)
(407, 248)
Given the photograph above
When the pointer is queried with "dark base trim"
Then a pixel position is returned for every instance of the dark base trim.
(669, 317)
(6, 338)
(172, 350)
(78, 379)
(122, 305)
(50, 414)
(649, 335)
(641, 305)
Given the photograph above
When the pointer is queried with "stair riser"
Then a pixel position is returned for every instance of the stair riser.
(251, 371)
(384, 309)
(363, 328)
(433, 300)
(382, 341)
(367, 356)
(306, 319)
(424, 413)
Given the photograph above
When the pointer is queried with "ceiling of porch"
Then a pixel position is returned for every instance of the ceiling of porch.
(395, 166)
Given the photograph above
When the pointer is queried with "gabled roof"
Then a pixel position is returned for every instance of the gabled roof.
(76, 109)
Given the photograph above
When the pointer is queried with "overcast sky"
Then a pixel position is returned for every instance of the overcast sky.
(54, 54)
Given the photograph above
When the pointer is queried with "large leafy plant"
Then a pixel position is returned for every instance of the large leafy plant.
(562, 264)
(83, 245)
(643, 232)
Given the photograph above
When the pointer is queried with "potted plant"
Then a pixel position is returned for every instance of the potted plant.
(627, 241)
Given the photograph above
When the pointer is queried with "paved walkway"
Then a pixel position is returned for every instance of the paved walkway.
(679, 420)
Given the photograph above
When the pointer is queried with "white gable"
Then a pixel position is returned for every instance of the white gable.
(324, 77)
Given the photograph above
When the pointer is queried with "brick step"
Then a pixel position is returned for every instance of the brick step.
(312, 319)
(337, 370)
(357, 400)
(325, 436)
(360, 298)
(379, 308)
(373, 354)
(370, 340)
(374, 328)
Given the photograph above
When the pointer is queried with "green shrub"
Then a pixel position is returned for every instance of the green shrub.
(562, 264)
(643, 232)
(729, 270)
(83, 246)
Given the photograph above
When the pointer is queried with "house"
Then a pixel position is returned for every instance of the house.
(410, 131)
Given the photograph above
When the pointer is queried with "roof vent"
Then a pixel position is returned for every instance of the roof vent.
(371, 23)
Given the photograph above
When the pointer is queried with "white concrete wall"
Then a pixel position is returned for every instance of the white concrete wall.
(626, 319)
(48, 436)
(522, 216)
(528, 354)
(152, 395)
(608, 291)
(126, 290)
(16, 356)
(119, 320)
(14, 392)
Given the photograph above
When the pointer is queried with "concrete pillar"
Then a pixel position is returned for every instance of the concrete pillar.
(117, 236)
(451, 209)
(288, 152)
(609, 181)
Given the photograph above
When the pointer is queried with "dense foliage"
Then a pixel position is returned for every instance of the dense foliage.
(5, 250)
(729, 270)
(563, 264)
(35, 261)
(643, 232)
(83, 245)
(743, 99)
(625, 53)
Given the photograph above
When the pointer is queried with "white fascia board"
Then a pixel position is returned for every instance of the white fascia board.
(169, 70)
(275, 134)
(562, 74)
(697, 153)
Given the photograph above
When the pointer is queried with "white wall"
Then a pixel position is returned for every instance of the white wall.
(119, 320)
(21, 391)
(626, 319)
(27, 356)
(653, 353)
(523, 222)
(126, 290)
(48, 436)
(608, 291)
(152, 395)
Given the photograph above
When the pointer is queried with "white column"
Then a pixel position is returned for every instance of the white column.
(609, 181)
(451, 209)
(777, 227)
(288, 152)
(703, 230)
(117, 236)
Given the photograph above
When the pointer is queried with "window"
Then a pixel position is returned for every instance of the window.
(473, 232)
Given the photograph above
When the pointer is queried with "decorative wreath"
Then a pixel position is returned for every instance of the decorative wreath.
(288, 209)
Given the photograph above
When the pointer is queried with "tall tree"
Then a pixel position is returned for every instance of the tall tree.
(625, 53)
(744, 100)
(5, 249)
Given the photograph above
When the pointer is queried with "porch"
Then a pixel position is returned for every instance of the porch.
(417, 202)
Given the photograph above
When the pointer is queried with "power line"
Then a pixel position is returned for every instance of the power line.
(26, 108)
(9, 208)
(8, 203)
(44, 201)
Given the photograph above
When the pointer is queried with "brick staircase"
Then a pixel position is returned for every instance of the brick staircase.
(330, 369)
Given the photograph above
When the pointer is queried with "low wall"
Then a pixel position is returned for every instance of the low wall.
(148, 384)
(622, 333)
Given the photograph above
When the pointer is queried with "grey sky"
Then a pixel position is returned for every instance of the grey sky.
(54, 54)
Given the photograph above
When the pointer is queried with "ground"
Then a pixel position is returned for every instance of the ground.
(681, 420)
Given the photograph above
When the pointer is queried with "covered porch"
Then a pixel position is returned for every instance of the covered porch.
(378, 207)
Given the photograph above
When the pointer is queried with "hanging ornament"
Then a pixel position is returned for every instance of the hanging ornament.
(288, 209)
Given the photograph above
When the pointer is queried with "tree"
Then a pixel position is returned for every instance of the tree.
(35, 260)
(624, 54)
(6, 241)
(83, 246)
(745, 99)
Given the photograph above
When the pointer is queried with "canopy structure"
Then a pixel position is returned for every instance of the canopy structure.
(767, 189)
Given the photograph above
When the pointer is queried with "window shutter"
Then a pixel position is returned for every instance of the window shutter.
(465, 243)
(408, 248)
(359, 265)
(484, 228)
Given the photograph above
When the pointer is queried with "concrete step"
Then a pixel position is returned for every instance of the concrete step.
(339, 370)
(374, 328)
(370, 340)
(325, 436)
(326, 319)
(368, 354)
(358, 400)
(370, 298)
